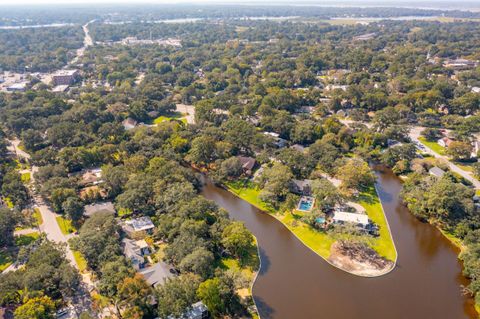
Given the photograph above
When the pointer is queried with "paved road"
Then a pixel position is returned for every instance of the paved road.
(415, 134)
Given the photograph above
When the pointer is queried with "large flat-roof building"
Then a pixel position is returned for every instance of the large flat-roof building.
(65, 77)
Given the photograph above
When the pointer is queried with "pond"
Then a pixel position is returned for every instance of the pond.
(294, 282)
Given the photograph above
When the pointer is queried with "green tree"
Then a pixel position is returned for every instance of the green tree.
(176, 295)
(209, 292)
(355, 174)
(8, 221)
(237, 239)
(36, 308)
(459, 150)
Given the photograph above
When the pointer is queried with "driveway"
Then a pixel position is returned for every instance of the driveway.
(415, 134)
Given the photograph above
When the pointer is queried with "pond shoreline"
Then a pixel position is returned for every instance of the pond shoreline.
(373, 273)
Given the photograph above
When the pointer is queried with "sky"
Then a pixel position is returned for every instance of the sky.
(328, 2)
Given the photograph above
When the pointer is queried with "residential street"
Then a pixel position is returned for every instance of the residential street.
(415, 134)
(81, 301)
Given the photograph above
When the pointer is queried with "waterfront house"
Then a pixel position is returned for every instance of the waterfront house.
(139, 227)
(248, 164)
(342, 217)
(436, 171)
(301, 187)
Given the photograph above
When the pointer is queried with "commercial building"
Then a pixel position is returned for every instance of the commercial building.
(65, 77)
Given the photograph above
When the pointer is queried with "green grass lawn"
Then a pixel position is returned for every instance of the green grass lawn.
(433, 146)
(317, 240)
(247, 191)
(169, 117)
(80, 260)
(5, 260)
(65, 225)
(383, 244)
(27, 239)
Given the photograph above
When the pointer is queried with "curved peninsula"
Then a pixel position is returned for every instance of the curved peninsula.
(378, 257)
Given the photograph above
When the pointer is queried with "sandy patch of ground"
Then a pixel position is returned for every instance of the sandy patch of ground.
(359, 260)
(189, 110)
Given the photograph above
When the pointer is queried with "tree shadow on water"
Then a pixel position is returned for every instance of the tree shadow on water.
(263, 308)
(265, 262)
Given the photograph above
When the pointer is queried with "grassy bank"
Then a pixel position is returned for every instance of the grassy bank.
(317, 240)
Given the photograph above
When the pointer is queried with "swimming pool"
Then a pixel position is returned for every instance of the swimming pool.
(320, 220)
(306, 204)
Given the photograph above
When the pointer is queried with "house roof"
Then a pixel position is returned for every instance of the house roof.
(301, 184)
(131, 250)
(141, 223)
(247, 162)
(157, 273)
(436, 171)
(91, 209)
(351, 217)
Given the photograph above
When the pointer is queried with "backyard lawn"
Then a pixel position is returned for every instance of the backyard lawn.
(383, 244)
(433, 146)
(247, 191)
(65, 225)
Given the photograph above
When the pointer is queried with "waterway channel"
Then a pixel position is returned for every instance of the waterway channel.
(296, 283)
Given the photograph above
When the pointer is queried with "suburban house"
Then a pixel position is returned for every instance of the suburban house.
(475, 149)
(139, 227)
(436, 171)
(91, 209)
(197, 311)
(65, 77)
(156, 274)
(277, 140)
(91, 177)
(17, 87)
(248, 163)
(342, 217)
(301, 187)
(135, 251)
(129, 124)
(445, 141)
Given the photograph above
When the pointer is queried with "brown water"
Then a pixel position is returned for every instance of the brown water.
(296, 283)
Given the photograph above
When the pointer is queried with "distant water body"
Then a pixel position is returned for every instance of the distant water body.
(36, 26)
